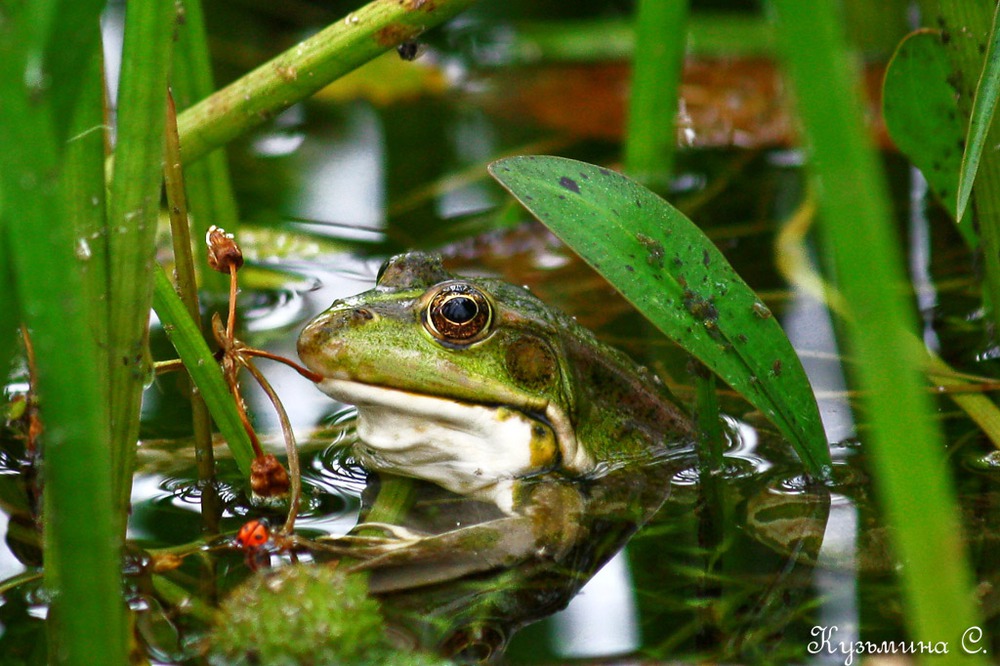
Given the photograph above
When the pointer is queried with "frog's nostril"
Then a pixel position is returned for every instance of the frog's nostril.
(339, 320)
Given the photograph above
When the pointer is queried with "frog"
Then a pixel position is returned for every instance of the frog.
(475, 383)
(477, 386)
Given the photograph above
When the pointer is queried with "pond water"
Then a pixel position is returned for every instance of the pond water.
(742, 565)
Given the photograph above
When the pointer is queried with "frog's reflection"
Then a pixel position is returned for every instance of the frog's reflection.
(460, 576)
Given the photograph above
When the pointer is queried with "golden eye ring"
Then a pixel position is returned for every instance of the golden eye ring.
(458, 314)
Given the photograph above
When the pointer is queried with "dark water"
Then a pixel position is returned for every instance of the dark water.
(738, 566)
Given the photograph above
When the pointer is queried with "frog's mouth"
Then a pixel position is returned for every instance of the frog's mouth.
(468, 448)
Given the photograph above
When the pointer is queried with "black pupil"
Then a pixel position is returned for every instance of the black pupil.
(459, 310)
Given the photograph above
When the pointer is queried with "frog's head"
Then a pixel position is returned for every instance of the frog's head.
(426, 355)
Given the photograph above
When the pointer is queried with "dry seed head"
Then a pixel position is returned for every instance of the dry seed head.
(223, 252)
(268, 477)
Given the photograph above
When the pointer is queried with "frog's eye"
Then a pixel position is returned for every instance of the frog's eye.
(458, 314)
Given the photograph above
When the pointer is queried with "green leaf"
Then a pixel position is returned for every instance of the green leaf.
(665, 266)
(133, 213)
(203, 368)
(983, 105)
(922, 115)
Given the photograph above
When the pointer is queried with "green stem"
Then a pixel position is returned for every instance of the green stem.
(187, 286)
(85, 194)
(710, 438)
(133, 211)
(917, 496)
(209, 189)
(305, 68)
(651, 136)
(203, 368)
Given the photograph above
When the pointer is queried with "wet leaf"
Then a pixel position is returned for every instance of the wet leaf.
(922, 116)
(665, 266)
(983, 106)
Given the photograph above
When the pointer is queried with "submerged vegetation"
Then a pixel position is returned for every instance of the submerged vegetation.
(81, 202)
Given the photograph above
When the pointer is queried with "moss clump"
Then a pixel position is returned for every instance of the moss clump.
(305, 615)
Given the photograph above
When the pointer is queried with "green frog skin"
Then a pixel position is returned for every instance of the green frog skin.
(474, 384)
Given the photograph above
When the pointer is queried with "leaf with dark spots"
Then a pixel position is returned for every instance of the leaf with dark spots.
(654, 250)
(569, 184)
(921, 114)
(619, 219)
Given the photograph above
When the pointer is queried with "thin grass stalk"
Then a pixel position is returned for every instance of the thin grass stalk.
(133, 211)
(305, 68)
(82, 555)
(209, 188)
(905, 446)
(651, 134)
(187, 287)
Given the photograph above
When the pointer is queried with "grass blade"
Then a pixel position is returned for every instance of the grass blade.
(203, 368)
(666, 267)
(73, 40)
(905, 446)
(81, 528)
(983, 106)
(651, 135)
(133, 213)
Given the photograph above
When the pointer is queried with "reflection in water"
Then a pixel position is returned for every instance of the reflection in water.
(583, 628)
(810, 329)
(920, 258)
(836, 573)
(460, 576)
(343, 177)
(473, 143)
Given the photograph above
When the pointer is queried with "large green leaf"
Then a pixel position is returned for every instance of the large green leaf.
(665, 266)
(922, 115)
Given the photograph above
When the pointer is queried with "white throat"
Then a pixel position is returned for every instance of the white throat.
(466, 448)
